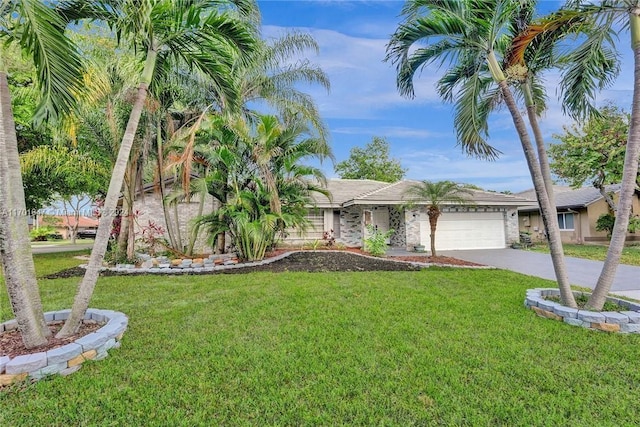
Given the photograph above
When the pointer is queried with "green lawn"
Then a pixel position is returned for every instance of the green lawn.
(436, 347)
(630, 254)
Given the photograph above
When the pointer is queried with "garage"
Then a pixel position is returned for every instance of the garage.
(466, 230)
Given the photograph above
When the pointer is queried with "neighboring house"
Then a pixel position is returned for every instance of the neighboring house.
(578, 212)
(491, 221)
(62, 224)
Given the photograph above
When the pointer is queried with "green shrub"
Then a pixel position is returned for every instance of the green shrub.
(40, 234)
(376, 243)
(606, 222)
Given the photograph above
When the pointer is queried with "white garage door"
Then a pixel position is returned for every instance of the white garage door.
(466, 230)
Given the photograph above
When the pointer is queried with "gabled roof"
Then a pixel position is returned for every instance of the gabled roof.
(567, 198)
(347, 192)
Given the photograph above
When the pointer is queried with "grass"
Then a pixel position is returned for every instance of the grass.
(436, 347)
(630, 254)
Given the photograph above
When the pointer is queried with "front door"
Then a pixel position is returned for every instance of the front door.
(379, 218)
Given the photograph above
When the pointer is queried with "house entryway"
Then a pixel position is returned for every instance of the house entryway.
(378, 217)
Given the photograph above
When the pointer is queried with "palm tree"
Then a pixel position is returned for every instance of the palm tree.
(603, 19)
(39, 30)
(166, 32)
(436, 195)
(469, 35)
(272, 78)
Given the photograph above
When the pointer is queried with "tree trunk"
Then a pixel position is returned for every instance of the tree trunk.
(85, 290)
(549, 218)
(628, 186)
(543, 158)
(15, 248)
(607, 198)
(433, 214)
(165, 209)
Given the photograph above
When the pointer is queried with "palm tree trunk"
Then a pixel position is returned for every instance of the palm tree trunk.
(543, 158)
(15, 248)
(433, 223)
(628, 186)
(550, 220)
(85, 290)
(165, 208)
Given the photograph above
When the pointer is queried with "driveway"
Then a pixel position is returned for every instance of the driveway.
(582, 272)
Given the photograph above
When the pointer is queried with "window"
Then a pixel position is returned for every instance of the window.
(566, 221)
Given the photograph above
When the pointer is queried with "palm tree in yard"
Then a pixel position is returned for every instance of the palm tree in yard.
(608, 16)
(436, 195)
(39, 30)
(166, 32)
(469, 36)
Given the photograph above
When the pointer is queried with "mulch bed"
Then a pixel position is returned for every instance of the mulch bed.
(317, 261)
(11, 342)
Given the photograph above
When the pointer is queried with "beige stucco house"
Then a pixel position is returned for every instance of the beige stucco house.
(491, 221)
(578, 212)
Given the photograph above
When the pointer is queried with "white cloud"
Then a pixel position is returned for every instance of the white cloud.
(362, 84)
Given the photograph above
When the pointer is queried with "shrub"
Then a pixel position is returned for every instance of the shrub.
(606, 222)
(40, 234)
(376, 243)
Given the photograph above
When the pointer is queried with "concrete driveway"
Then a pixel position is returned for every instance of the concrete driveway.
(582, 272)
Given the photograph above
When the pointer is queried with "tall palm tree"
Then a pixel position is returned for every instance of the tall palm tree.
(585, 60)
(39, 30)
(166, 32)
(436, 195)
(272, 77)
(469, 35)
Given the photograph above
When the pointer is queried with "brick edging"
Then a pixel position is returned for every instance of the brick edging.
(627, 321)
(68, 358)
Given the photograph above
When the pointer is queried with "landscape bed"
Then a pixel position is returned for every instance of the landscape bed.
(440, 346)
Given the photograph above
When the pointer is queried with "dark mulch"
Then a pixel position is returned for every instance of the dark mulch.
(317, 261)
(11, 342)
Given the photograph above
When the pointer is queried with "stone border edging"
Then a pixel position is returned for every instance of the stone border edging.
(169, 270)
(68, 358)
(609, 321)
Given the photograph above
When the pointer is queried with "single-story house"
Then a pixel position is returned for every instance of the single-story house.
(578, 212)
(490, 221)
(62, 224)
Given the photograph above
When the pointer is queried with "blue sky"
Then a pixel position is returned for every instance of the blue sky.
(363, 101)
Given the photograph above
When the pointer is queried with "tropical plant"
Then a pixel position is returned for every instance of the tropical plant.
(436, 195)
(39, 31)
(376, 241)
(41, 233)
(470, 36)
(166, 32)
(252, 166)
(607, 18)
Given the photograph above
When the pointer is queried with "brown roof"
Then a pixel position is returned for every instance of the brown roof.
(62, 221)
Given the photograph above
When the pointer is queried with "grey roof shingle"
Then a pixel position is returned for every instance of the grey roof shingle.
(351, 191)
(566, 197)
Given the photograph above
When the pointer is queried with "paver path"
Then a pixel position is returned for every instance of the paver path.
(582, 272)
